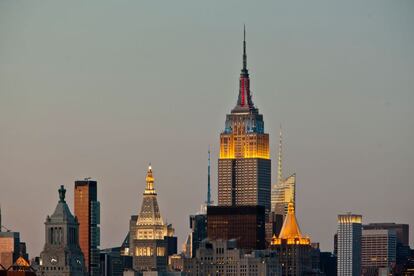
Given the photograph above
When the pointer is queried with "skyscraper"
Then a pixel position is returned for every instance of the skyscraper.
(284, 190)
(87, 211)
(349, 244)
(62, 254)
(378, 251)
(402, 234)
(401, 230)
(151, 240)
(244, 166)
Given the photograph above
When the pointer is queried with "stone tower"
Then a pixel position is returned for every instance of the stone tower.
(62, 255)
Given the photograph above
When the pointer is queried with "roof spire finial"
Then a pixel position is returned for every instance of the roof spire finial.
(62, 192)
(244, 48)
(150, 181)
(279, 164)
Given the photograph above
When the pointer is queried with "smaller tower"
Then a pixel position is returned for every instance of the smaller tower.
(294, 249)
(62, 254)
(151, 240)
(349, 244)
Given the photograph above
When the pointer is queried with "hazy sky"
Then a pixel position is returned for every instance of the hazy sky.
(102, 88)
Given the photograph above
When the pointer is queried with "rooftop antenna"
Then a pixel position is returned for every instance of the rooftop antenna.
(208, 202)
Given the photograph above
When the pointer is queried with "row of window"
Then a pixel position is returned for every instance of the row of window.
(149, 251)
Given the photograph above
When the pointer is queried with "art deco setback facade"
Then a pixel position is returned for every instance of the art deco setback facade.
(244, 166)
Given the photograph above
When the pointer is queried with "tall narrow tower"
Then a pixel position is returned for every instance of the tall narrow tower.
(284, 190)
(244, 166)
(87, 210)
(208, 201)
(349, 244)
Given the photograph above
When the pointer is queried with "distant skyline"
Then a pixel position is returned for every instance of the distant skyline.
(102, 88)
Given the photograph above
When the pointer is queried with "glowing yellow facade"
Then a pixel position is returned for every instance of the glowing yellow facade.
(350, 218)
(244, 146)
(241, 144)
(290, 232)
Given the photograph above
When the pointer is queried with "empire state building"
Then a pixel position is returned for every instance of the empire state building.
(244, 166)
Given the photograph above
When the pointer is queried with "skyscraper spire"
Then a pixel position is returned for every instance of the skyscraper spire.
(244, 50)
(279, 163)
(244, 102)
(208, 202)
(150, 181)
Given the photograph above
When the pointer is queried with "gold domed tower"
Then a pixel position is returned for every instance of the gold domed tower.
(290, 232)
(294, 249)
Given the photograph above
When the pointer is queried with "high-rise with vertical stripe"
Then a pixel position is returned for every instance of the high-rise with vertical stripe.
(87, 211)
(349, 244)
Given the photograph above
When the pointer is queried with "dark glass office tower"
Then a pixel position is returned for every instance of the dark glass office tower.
(246, 224)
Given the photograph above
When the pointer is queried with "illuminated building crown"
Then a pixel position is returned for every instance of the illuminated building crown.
(150, 212)
(290, 232)
(244, 135)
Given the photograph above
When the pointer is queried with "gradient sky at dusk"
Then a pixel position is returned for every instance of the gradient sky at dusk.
(102, 88)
